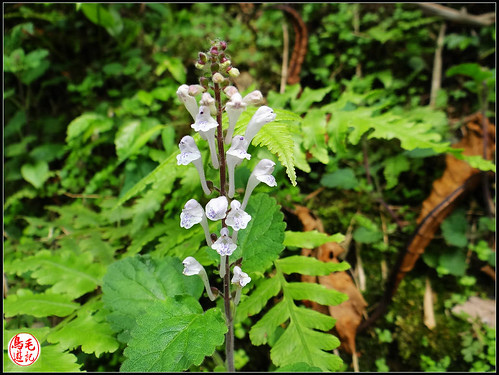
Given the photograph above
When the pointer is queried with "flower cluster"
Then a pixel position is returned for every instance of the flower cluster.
(226, 153)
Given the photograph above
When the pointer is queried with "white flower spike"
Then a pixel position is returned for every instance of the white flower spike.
(188, 100)
(206, 126)
(241, 279)
(237, 218)
(234, 107)
(235, 156)
(193, 267)
(262, 116)
(189, 153)
(224, 244)
(216, 208)
(192, 214)
(261, 173)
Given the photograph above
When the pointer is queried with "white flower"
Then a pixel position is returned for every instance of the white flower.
(208, 101)
(240, 278)
(235, 156)
(237, 218)
(191, 266)
(192, 214)
(234, 107)
(230, 90)
(261, 173)
(224, 244)
(216, 208)
(189, 153)
(253, 98)
(206, 126)
(262, 116)
(196, 90)
(189, 101)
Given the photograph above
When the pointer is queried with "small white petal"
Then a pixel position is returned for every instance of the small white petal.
(191, 266)
(237, 218)
(188, 151)
(240, 277)
(230, 90)
(238, 148)
(267, 179)
(216, 208)
(224, 244)
(262, 116)
(208, 101)
(192, 214)
(204, 121)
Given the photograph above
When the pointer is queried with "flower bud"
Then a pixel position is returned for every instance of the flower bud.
(199, 65)
(225, 64)
(203, 81)
(203, 59)
(223, 45)
(215, 67)
(195, 90)
(230, 90)
(218, 78)
(214, 51)
(233, 72)
(253, 98)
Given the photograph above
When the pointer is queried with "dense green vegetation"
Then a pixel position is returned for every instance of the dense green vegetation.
(92, 124)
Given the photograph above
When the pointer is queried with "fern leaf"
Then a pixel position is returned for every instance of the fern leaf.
(38, 305)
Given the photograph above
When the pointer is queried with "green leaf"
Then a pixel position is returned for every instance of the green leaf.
(310, 239)
(38, 305)
(454, 228)
(87, 124)
(308, 97)
(394, 166)
(316, 292)
(342, 178)
(67, 272)
(261, 242)
(298, 367)
(133, 135)
(133, 284)
(277, 315)
(472, 70)
(36, 174)
(314, 133)
(309, 266)
(277, 136)
(53, 358)
(366, 235)
(259, 297)
(98, 337)
(173, 335)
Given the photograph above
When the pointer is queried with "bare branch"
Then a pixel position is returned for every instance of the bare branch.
(457, 16)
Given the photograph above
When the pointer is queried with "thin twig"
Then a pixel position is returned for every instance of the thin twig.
(285, 56)
(437, 66)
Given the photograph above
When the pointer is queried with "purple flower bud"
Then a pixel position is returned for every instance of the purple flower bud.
(214, 51)
(202, 58)
(223, 45)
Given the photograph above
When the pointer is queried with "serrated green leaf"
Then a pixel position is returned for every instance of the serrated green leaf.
(68, 273)
(309, 266)
(38, 305)
(261, 242)
(308, 97)
(132, 284)
(258, 298)
(310, 239)
(277, 136)
(98, 337)
(168, 338)
(53, 358)
(314, 133)
(261, 330)
(315, 292)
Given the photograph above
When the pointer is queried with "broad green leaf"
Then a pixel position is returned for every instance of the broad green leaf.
(394, 166)
(315, 292)
(309, 266)
(133, 135)
(38, 305)
(310, 239)
(342, 179)
(170, 337)
(68, 273)
(53, 358)
(87, 124)
(98, 336)
(454, 228)
(366, 235)
(258, 298)
(133, 284)
(472, 70)
(36, 174)
(261, 242)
